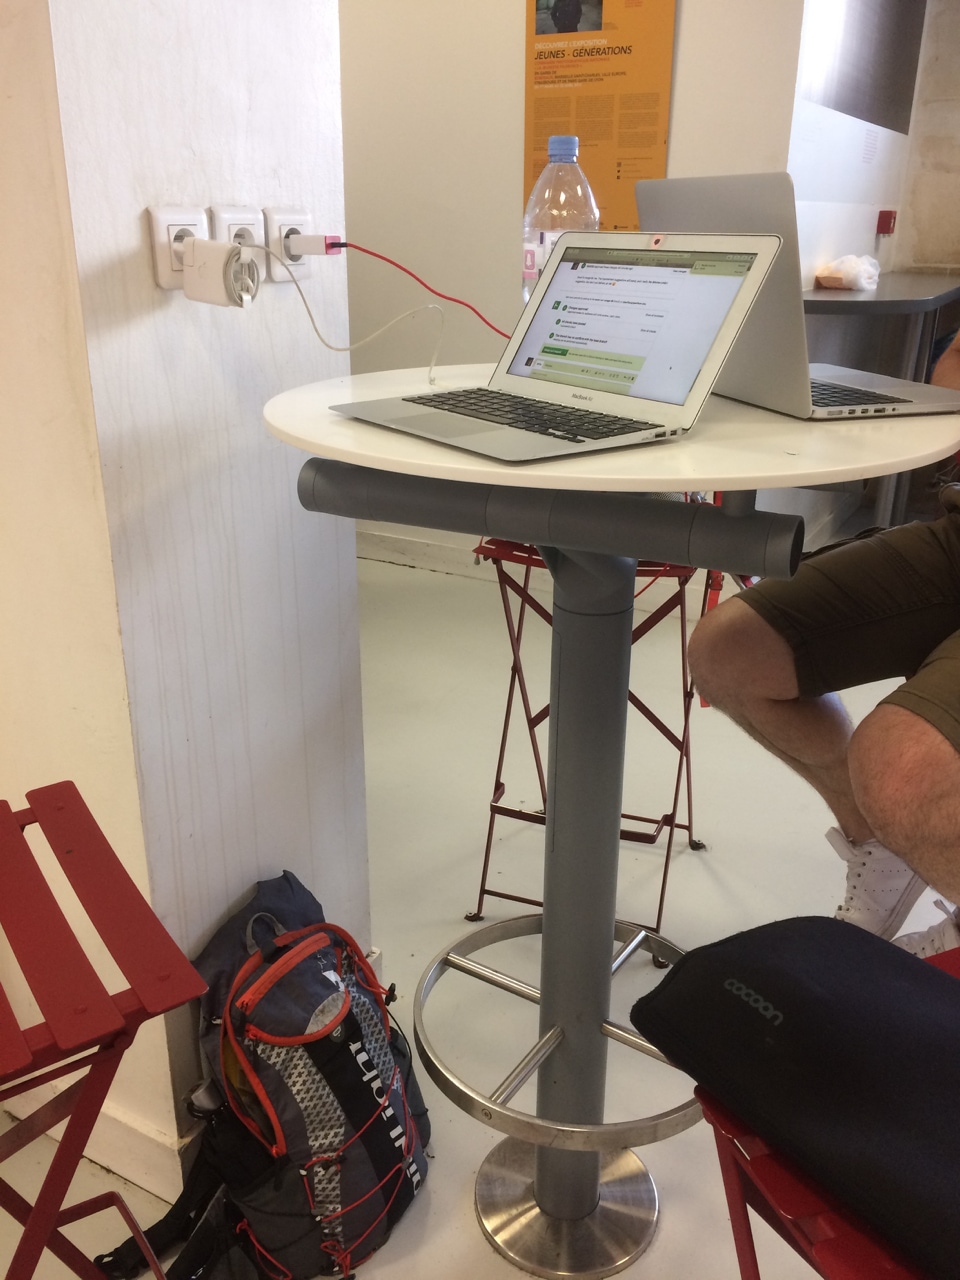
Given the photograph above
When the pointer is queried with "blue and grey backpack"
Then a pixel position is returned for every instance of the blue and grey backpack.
(313, 1142)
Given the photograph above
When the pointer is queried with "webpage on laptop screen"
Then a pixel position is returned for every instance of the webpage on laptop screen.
(634, 322)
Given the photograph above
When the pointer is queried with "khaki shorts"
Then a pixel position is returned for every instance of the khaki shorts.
(873, 608)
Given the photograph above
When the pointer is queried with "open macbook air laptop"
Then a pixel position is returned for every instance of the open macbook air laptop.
(620, 344)
(768, 365)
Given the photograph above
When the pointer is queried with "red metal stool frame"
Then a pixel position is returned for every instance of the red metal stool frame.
(84, 1027)
(836, 1244)
(517, 600)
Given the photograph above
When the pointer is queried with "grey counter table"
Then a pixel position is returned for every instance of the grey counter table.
(563, 1194)
(898, 293)
(911, 296)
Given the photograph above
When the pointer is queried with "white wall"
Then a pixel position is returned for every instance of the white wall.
(846, 170)
(433, 171)
(62, 683)
(62, 690)
(181, 637)
(928, 229)
(735, 65)
(433, 140)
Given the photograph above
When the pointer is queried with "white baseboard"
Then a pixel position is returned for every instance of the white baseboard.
(422, 549)
(374, 958)
(148, 1159)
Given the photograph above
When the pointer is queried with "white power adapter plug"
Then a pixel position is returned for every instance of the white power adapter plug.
(225, 275)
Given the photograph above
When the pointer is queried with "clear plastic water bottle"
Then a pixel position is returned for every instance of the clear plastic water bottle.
(560, 201)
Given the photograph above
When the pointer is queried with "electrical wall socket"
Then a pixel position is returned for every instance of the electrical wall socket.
(232, 224)
(168, 225)
(239, 224)
(278, 223)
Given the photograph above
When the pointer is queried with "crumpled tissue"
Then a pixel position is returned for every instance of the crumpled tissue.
(849, 272)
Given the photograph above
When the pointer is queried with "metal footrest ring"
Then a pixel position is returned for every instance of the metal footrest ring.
(493, 1110)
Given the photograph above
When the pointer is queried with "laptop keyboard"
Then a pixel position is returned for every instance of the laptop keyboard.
(825, 395)
(574, 425)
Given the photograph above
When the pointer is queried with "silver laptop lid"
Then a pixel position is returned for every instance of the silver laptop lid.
(768, 364)
(635, 325)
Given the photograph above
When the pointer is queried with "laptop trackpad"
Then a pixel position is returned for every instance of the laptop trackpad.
(446, 426)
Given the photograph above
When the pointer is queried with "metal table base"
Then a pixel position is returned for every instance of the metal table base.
(607, 1240)
(571, 1200)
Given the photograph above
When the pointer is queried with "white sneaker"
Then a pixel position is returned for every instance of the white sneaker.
(935, 940)
(881, 888)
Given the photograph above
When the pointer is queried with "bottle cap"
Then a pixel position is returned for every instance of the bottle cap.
(563, 146)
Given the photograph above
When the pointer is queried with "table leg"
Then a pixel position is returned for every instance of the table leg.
(592, 620)
(924, 348)
(886, 500)
(588, 1215)
(893, 491)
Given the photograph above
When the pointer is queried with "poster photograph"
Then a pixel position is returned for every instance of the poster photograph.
(601, 71)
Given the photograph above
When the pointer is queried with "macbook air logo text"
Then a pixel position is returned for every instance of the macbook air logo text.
(577, 396)
(754, 1000)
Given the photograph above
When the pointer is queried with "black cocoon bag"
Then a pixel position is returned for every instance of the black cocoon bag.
(843, 1053)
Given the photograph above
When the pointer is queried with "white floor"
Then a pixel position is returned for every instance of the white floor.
(435, 670)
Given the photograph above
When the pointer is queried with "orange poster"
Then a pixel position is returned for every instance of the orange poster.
(602, 71)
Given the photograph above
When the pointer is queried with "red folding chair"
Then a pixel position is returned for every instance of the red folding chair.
(84, 1029)
(518, 603)
(835, 1243)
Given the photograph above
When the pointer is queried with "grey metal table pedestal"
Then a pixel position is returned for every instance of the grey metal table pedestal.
(563, 1197)
(621, 1201)
(609, 1239)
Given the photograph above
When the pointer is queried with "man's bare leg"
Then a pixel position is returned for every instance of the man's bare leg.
(906, 775)
(744, 668)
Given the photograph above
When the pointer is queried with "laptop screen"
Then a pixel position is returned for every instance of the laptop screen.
(635, 322)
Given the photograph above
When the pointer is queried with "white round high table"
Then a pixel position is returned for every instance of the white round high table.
(563, 1194)
(731, 446)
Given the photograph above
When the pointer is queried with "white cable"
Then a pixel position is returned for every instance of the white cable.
(428, 306)
(241, 277)
(223, 273)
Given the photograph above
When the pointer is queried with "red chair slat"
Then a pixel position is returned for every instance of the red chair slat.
(147, 956)
(72, 999)
(794, 1197)
(15, 1053)
(849, 1256)
(948, 961)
